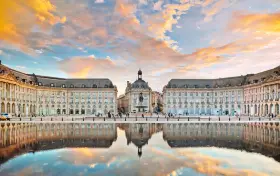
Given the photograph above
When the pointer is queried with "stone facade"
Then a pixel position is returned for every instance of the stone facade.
(130, 101)
(254, 94)
(29, 94)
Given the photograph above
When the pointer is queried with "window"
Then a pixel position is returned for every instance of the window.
(39, 83)
(63, 85)
(72, 86)
(94, 86)
(52, 85)
(106, 86)
(83, 86)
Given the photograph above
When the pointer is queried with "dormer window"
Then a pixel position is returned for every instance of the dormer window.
(72, 86)
(30, 82)
(63, 85)
(52, 85)
(23, 80)
(39, 83)
(94, 86)
(83, 86)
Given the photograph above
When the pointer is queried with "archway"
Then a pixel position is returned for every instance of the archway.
(271, 108)
(266, 109)
(256, 110)
(8, 108)
(2, 107)
(71, 111)
(276, 109)
(13, 108)
(82, 111)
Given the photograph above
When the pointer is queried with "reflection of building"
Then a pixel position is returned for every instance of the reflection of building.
(17, 137)
(261, 137)
(29, 94)
(255, 94)
(139, 134)
(131, 102)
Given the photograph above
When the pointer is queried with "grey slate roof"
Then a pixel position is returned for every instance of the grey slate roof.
(224, 82)
(59, 82)
(140, 84)
(206, 83)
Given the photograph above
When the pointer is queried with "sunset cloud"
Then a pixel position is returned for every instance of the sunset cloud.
(256, 22)
(14, 29)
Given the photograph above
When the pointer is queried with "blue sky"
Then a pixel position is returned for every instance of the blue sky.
(166, 39)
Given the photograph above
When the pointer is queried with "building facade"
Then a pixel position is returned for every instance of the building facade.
(29, 94)
(254, 94)
(138, 96)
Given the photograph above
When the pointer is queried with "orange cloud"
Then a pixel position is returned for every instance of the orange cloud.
(267, 23)
(14, 29)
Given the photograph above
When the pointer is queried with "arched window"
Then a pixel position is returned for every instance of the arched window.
(94, 86)
(83, 86)
(72, 86)
(52, 85)
(39, 83)
(63, 85)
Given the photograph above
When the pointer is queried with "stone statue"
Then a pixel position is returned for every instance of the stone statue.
(141, 97)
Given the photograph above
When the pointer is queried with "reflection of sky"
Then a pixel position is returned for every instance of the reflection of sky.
(157, 159)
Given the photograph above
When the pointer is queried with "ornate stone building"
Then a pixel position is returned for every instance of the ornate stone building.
(138, 96)
(29, 94)
(254, 94)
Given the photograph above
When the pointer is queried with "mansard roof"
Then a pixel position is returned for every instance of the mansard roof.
(49, 81)
(224, 82)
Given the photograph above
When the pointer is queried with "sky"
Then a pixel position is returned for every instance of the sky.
(114, 38)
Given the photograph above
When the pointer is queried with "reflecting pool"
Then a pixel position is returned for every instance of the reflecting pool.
(140, 149)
